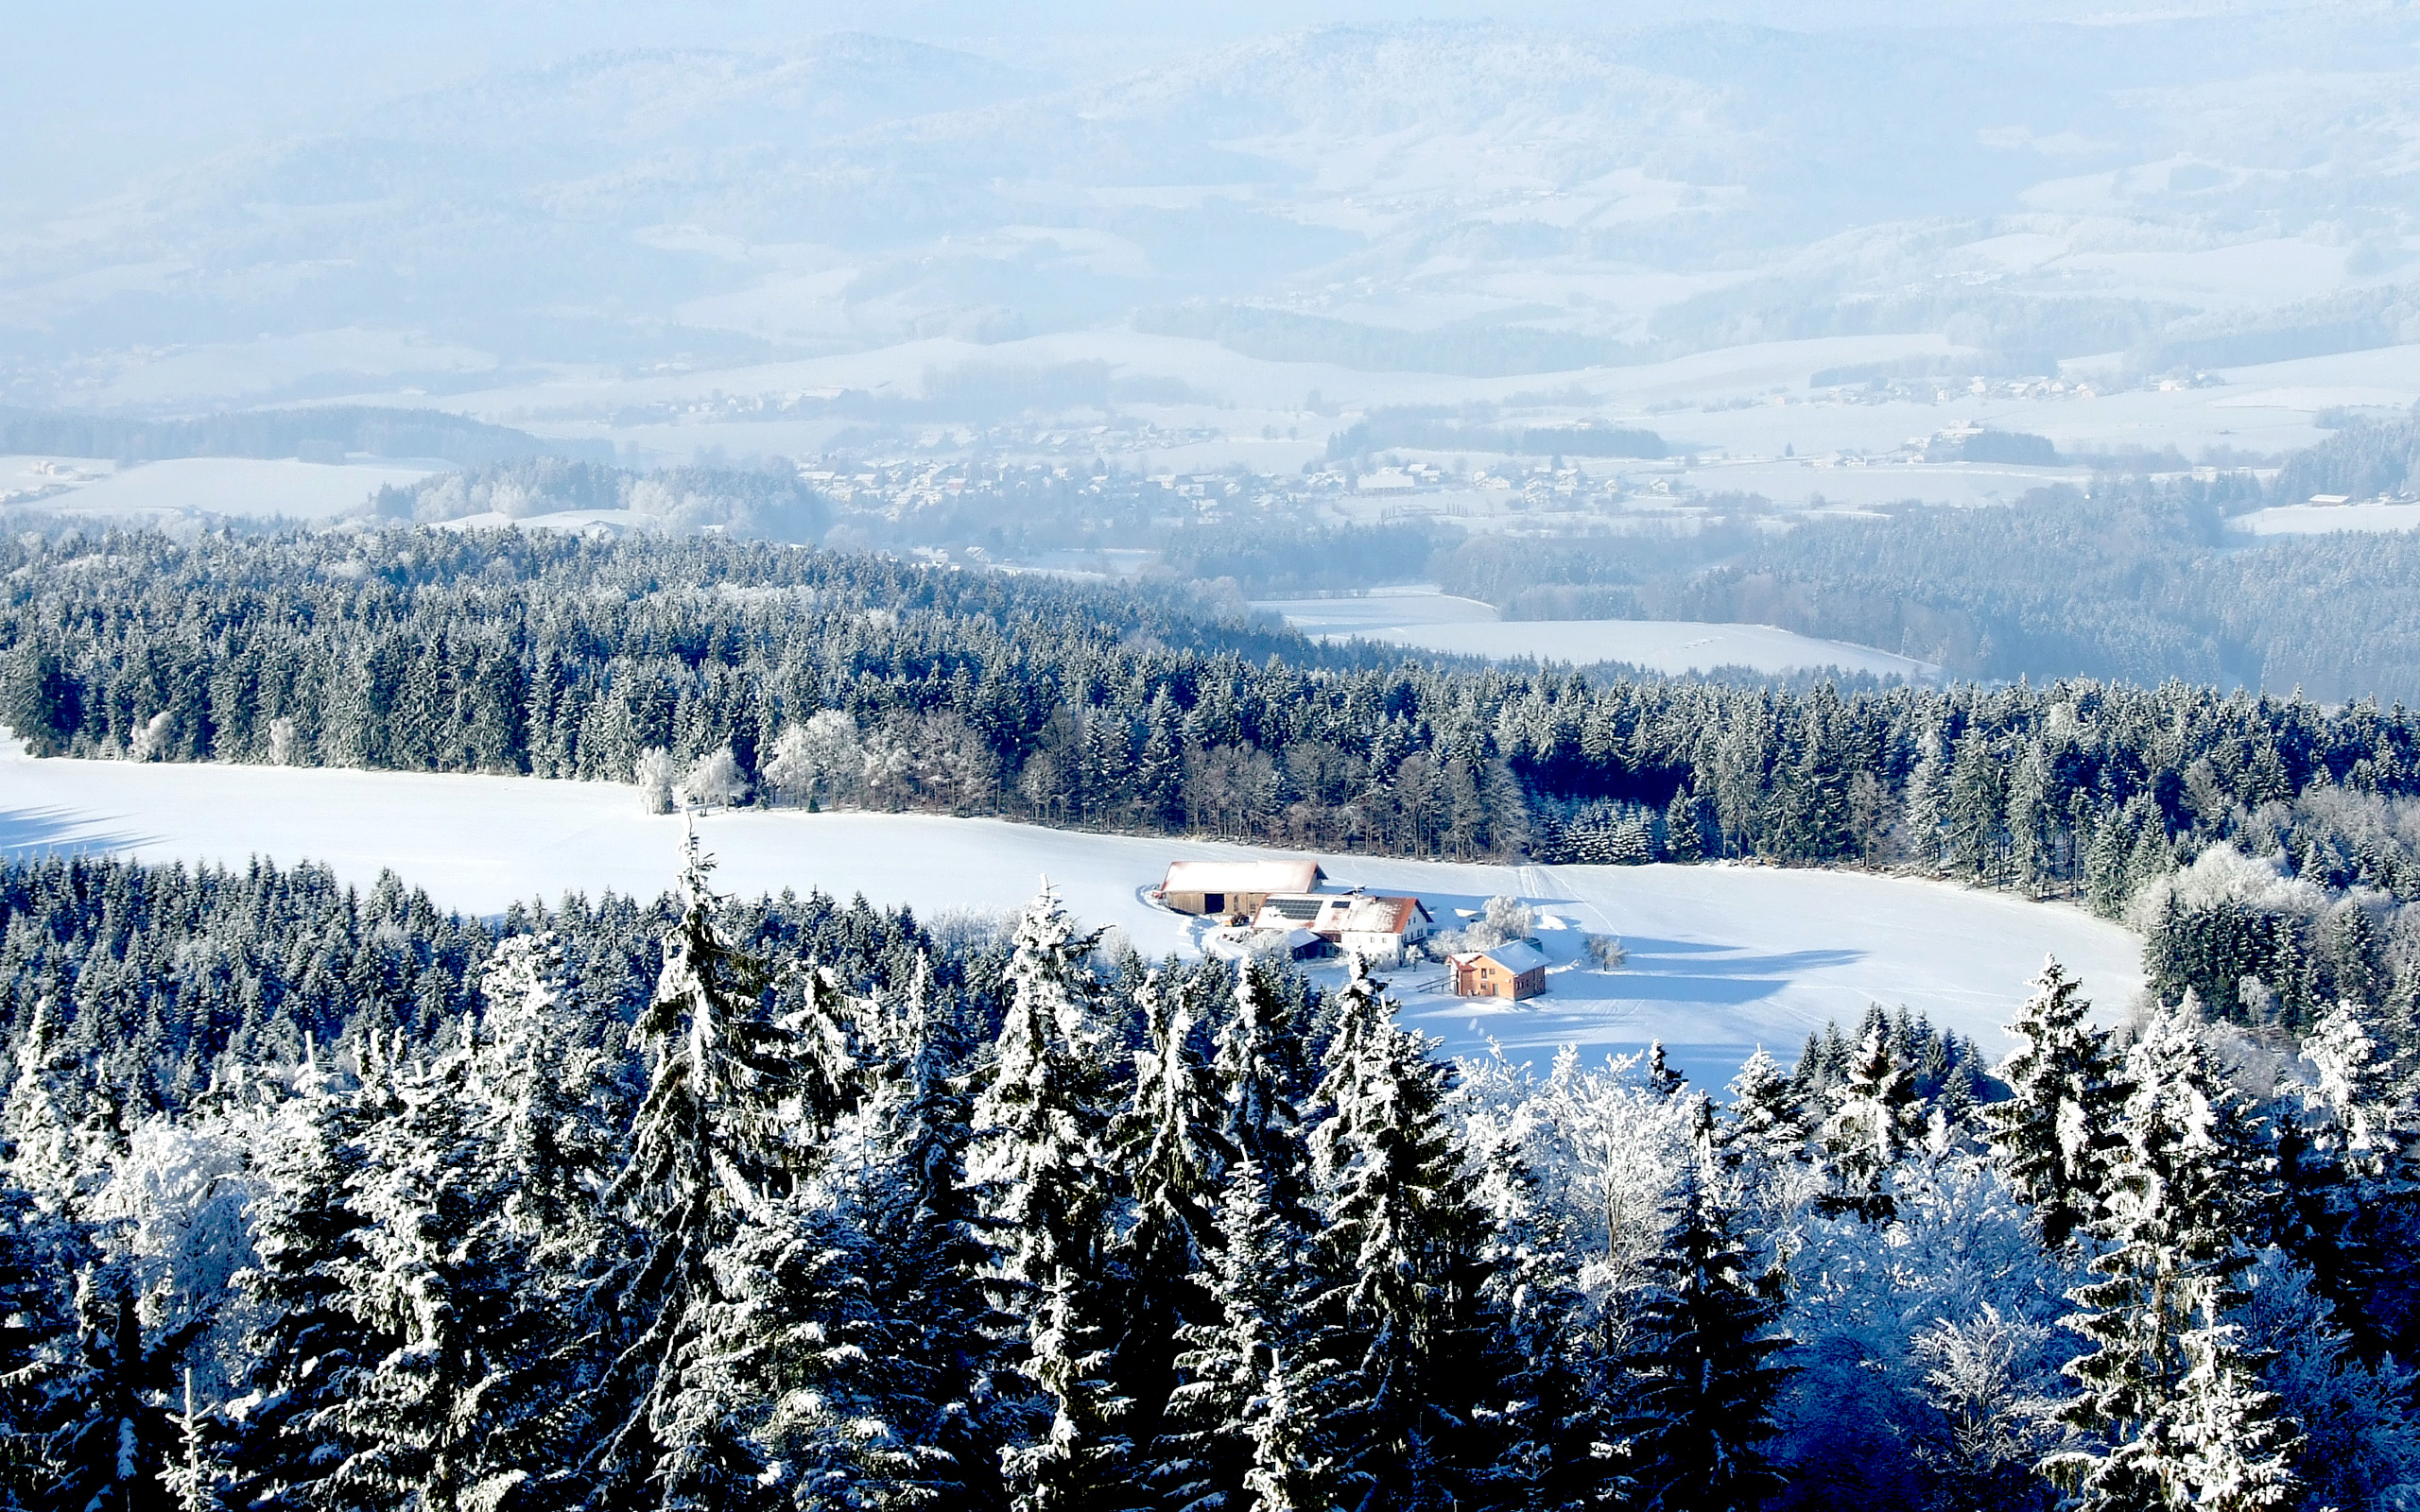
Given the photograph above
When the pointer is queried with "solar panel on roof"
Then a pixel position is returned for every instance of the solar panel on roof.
(1298, 910)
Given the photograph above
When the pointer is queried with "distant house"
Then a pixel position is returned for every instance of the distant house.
(1515, 970)
(1234, 888)
(1386, 480)
(1365, 925)
(2329, 501)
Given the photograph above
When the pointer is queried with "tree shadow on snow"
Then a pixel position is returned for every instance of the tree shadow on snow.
(29, 832)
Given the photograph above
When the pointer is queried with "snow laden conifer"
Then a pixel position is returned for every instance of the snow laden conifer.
(1043, 1178)
(2057, 1135)
(1874, 1116)
(1257, 1065)
(107, 1426)
(713, 1141)
(1704, 1375)
(305, 1350)
(1555, 1414)
(2164, 1380)
(912, 1424)
(1763, 1126)
(438, 1283)
(1244, 1413)
(2339, 1182)
(1401, 1244)
(1166, 1143)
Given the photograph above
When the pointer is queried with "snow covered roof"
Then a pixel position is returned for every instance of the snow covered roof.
(1243, 876)
(1334, 914)
(1517, 957)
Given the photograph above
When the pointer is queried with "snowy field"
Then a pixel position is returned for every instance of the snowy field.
(1661, 646)
(246, 487)
(1427, 620)
(2322, 520)
(1379, 609)
(1722, 958)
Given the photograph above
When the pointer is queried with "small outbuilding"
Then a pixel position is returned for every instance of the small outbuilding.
(1235, 889)
(1515, 970)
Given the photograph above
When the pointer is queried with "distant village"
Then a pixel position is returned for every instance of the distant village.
(1290, 908)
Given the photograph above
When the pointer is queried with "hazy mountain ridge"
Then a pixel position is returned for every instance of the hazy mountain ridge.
(2000, 185)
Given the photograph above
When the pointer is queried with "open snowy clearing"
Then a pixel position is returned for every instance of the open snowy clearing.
(1661, 646)
(2322, 520)
(249, 488)
(1427, 620)
(1722, 958)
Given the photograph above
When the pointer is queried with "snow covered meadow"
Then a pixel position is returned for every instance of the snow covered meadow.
(1432, 620)
(1721, 958)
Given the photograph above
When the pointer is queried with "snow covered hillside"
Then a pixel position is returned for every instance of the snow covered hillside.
(1722, 958)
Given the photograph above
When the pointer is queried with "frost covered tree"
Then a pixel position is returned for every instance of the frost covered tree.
(107, 1424)
(430, 1416)
(713, 780)
(304, 1350)
(1257, 1064)
(820, 762)
(1989, 1377)
(1402, 1242)
(1043, 1177)
(654, 776)
(712, 1139)
(2057, 1134)
(1762, 1125)
(1556, 1417)
(1704, 1374)
(1241, 1406)
(2162, 1378)
(1875, 1115)
(1167, 1142)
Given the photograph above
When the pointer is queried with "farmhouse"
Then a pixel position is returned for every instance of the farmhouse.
(1371, 926)
(1515, 970)
(1234, 888)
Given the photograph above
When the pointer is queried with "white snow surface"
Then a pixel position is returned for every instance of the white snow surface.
(2322, 520)
(1722, 958)
(1660, 645)
(1420, 616)
(250, 488)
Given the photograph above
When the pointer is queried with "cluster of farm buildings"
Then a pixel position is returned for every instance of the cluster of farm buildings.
(1287, 902)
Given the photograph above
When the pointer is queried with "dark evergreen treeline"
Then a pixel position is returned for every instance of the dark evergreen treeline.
(788, 1205)
(2140, 582)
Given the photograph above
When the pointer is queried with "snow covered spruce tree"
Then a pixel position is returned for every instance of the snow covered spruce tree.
(1401, 1246)
(1260, 1073)
(1557, 1413)
(1043, 1178)
(2342, 1194)
(1703, 1378)
(1874, 1116)
(108, 1424)
(2057, 1135)
(304, 1348)
(901, 1412)
(715, 1147)
(2166, 1389)
(1243, 1423)
(1168, 1145)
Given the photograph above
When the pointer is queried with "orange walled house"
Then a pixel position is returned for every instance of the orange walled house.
(1515, 970)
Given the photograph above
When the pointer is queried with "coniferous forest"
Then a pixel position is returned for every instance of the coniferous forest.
(334, 1199)
(319, 1199)
(2267, 846)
